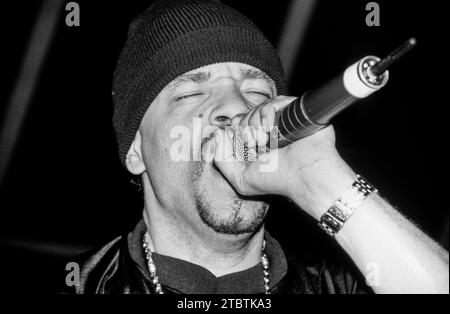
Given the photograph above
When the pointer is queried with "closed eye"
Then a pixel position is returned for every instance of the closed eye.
(259, 93)
(187, 96)
(257, 97)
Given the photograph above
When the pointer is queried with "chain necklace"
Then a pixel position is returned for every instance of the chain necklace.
(155, 279)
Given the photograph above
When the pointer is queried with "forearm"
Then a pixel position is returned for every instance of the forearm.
(377, 237)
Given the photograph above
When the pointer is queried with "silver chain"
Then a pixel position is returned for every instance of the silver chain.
(155, 280)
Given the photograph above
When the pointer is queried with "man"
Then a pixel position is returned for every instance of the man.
(202, 230)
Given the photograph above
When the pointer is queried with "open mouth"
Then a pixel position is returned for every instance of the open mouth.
(208, 145)
(208, 149)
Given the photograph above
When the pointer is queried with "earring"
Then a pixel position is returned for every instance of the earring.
(137, 181)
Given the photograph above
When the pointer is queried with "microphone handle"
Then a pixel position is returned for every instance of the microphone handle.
(314, 110)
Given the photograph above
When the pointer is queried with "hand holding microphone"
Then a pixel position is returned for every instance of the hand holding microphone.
(305, 169)
(314, 110)
(286, 171)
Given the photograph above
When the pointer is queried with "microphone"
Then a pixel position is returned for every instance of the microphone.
(315, 108)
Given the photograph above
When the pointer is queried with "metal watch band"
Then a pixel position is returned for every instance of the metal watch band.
(342, 209)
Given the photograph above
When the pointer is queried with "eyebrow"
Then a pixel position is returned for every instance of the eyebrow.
(198, 77)
(250, 74)
(201, 77)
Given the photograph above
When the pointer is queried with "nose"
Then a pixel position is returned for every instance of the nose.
(231, 104)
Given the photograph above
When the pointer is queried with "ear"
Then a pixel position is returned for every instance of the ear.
(134, 161)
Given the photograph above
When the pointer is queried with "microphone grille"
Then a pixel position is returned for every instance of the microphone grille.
(242, 152)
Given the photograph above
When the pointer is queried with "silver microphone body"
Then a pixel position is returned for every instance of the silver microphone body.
(314, 110)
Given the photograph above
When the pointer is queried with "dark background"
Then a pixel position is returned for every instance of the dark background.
(65, 190)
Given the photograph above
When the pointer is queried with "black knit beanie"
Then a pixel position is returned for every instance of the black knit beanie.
(173, 37)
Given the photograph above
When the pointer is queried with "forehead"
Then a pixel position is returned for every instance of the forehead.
(238, 71)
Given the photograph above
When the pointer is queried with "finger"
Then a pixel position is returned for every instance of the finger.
(236, 120)
(246, 135)
(255, 123)
(269, 109)
(255, 117)
(282, 101)
(222, 140)
(244, 121)
(225, 160)
(261, 136)
(243, 130)
(267, 117)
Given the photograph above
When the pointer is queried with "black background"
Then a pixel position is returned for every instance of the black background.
(65, 190)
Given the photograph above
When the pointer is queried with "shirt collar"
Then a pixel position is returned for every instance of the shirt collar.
(184, 277)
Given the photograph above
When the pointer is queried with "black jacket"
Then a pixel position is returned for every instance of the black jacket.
(119, 267)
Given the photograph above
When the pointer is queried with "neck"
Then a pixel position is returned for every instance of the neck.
(221, 254)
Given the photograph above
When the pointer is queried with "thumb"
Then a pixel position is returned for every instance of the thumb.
(225, 160)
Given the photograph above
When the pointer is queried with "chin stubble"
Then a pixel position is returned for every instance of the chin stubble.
(232, 225)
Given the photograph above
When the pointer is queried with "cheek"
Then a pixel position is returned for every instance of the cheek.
(169, 179)
(168, 142)
(155, 150)
(164, 158)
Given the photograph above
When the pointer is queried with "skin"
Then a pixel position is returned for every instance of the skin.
(208, 213)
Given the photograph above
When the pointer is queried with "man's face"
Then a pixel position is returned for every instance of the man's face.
(194, 191)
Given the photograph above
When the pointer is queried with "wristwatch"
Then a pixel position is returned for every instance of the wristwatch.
(342, 209)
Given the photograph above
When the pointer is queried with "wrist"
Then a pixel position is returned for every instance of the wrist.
(321, 184)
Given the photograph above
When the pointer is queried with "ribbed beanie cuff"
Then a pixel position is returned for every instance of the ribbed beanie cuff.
(175, 37)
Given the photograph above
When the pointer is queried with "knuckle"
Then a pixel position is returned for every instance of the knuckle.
(262, 138)
(255, 119)
(267, 108)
